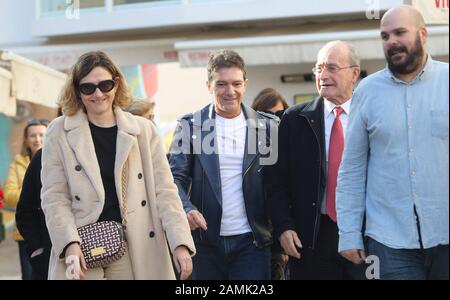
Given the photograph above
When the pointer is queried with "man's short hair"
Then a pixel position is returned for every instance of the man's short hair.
(225, 58)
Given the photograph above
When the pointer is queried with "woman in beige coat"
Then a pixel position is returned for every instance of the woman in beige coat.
(91, 156)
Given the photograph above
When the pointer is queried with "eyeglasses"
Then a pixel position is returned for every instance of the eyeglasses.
(331, 68)
(104, 86)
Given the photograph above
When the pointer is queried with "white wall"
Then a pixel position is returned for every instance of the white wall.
(261, 77)
(16, 19)
(180, 91)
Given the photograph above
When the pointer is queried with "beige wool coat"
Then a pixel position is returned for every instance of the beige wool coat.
(73, 194)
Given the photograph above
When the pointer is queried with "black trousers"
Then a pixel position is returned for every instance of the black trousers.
(324, 262)
(40, 265)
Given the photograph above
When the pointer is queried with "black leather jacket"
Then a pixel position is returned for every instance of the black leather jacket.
(197, 174)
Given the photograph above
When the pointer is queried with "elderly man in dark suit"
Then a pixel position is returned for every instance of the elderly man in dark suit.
(301, 186)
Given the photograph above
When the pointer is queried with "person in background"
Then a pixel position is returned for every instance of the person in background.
(271, 101)
(33, 136)
(30, 219)
(100, 163)
(142, 108)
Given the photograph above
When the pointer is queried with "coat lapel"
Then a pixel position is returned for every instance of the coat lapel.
(127, 130)
(251, 140)
(80, 140)
(204, 132)
(314, 115)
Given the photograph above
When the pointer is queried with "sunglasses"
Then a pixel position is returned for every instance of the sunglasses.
(35, 121)
(104, 86)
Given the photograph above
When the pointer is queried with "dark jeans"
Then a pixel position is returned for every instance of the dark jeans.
(25, 265)
(411, 264)
(324, 262)
(234, 258)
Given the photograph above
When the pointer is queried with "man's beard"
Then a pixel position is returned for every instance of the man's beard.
(412, 61)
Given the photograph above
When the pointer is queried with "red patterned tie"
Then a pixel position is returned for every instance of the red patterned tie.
(334, 160)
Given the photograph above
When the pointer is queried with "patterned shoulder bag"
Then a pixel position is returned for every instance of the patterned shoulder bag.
(105, 242)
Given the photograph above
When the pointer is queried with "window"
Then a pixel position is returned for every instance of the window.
(121, 2)
(58, 7)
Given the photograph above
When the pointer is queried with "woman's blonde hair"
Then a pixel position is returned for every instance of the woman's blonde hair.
(140, 107)
(70, 98)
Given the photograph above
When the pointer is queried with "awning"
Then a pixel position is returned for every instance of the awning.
(7, 102)
(298, 48)
(28, 81)
(123, 53)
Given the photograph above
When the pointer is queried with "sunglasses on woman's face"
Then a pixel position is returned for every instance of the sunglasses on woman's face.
(104, 86)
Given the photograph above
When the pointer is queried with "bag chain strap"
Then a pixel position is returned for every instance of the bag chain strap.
(124, 194)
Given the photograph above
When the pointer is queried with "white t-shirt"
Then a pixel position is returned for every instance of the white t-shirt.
(231, 135)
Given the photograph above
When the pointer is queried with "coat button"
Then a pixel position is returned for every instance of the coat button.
(77, 198)
(143, 202)
(78, 168)
(152, 234)
(140, 175)
(314, 204)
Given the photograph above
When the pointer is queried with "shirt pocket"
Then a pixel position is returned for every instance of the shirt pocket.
(439, 124)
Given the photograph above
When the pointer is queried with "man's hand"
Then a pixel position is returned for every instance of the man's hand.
(196, 220)
(356, 256)
(290, 242)
(183, 261)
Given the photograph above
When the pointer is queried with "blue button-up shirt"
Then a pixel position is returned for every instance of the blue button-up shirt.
(395, 161)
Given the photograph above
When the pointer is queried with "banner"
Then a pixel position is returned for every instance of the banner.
(433, 11)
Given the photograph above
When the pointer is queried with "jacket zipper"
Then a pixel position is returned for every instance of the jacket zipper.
(255, 242)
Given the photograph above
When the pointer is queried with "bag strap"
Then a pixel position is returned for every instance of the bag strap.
(124, 193)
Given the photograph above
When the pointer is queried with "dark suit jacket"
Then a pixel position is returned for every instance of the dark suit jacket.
(296, 184)
(197, 175)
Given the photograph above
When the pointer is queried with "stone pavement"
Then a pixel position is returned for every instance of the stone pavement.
(9, 259)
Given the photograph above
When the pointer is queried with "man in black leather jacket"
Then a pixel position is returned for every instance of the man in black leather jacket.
(217, 158)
